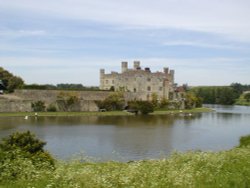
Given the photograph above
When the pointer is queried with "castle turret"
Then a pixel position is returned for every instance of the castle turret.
(166, 69)
(102, 74)
(124, 66)
(136, 65)
(172, 75)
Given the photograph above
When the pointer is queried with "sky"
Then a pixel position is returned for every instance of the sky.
(68, 41)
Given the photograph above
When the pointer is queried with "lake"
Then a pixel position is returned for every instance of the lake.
(125, 138)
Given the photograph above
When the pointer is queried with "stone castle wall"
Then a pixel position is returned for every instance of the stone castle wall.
(20, 100)
(141, 82)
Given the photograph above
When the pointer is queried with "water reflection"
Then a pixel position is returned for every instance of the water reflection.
(135, 137)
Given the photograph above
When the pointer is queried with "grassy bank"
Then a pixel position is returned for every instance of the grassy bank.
(242, 101)
(111, 113)
(192, 169)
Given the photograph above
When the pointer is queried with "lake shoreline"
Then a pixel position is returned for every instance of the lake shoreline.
(108, 113)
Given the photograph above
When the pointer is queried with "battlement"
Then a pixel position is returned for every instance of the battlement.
(140, 81)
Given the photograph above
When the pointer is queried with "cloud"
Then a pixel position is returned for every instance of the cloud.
(21, 33)
(226, 17)
(194, 71)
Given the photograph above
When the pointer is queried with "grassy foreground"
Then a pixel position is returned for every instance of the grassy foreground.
(110, 113)
(192, 169)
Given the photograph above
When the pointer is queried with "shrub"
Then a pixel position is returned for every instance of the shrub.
(38, 106)
(21, 155)
(247, 97)
(68, 101)
(114, 101)
(244, 141)
(144, 107)
(51, 108)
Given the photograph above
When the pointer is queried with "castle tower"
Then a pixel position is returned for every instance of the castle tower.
(136, 65)
(124, 66)
(172, 75)
(166, 69)
(102, 74)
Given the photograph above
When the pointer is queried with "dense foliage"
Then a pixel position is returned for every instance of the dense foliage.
(38, 106)
(143, 107)
(244, 141)
(79, 87)
(192, 101)
(216, 94)
(10, 81)
(114, 101)
(191, 169)
(22, 157)
(247, 97)
(68, 101)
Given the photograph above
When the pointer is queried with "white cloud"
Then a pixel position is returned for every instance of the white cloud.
(227, 17)
(21, 33)
(194, 71)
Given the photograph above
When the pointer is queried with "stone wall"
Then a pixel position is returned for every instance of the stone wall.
(20, 100)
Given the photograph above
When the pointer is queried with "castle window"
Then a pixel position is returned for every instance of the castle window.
(149, 79)
(134, 89)
(160, 88)
(113, 81)
(107, 81)
(149, 88)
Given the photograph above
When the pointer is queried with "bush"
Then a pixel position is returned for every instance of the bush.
(244, 141)
(247, 97)
(38, 106)
(144, 107)
(51, 108)
(114, 101)
(21, 155)
(68, 101)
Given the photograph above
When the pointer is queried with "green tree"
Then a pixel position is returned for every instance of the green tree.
(114, 101)
(154, 100)
(68, 101)
(247, 97)
(164, 103)
(144, 107)
(38, 106)
(21, 152)
(216, 94)
(10, 81)
(244, 141)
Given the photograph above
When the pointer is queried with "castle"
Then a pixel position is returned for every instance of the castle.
(141, 82)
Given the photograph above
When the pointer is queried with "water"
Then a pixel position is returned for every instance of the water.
(126, 138)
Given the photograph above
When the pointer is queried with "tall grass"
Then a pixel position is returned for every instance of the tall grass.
(192, 169)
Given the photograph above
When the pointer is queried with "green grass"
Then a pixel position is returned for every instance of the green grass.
(111, 113)
(195, 110)
(192, 169)
(241, 101)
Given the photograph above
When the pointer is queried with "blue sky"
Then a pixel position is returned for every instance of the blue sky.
(68, 41)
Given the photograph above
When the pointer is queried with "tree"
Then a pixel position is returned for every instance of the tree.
(68, 101)
(192, 101)
(247, 97)
(38, 106)
(154, 100)
(144, 107)
(114, 101)
(21, 152)
(10, 81)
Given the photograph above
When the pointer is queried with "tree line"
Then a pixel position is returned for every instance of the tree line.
(226, 95)
(10, 82)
